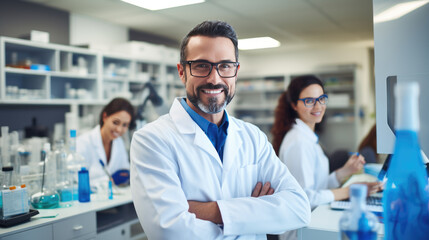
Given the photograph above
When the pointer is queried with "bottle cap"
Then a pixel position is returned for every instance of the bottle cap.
(358, 190)
(73, 133)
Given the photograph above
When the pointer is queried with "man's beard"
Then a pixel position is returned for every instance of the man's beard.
(213, 106)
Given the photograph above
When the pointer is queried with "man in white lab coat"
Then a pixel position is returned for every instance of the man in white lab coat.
(198, 173)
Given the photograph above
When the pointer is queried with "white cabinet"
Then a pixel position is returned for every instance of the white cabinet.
(44, 232)
(131, 230)
(82, 226)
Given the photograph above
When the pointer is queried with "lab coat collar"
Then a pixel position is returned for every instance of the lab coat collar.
(306, 130)
(181, 118)
(185, 125)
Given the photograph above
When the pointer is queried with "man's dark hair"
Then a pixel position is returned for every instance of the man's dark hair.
(210, 29)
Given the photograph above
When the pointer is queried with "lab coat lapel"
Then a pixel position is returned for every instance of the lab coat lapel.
(233, 145)
(98, 145)
(186, 125)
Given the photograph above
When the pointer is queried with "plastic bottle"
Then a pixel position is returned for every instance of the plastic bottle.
(75, 162)
(84, 188)
(63, 178)
(357, 223)
(405, 199)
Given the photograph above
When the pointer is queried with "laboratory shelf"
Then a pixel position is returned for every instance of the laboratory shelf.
(79, 76)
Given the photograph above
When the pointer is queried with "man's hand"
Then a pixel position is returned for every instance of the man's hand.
(260, 190)
(206, 211)
(210, 210)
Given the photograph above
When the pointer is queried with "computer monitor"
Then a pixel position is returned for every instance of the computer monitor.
(401, 51)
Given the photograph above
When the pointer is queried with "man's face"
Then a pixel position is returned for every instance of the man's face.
(209, 94)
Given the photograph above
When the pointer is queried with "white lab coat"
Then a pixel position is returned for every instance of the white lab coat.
(90, 146)
(304, 157)
(173, 160)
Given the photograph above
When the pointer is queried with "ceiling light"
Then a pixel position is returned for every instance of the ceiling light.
(257, 43)
(161, 4)
(398, 11)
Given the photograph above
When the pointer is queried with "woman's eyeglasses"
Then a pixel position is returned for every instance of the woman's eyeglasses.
(310, 102)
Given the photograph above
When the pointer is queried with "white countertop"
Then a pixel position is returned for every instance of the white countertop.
(324, 219)
(123, 196)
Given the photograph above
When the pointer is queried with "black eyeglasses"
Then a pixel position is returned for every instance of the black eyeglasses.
(310, 102)
(203, 68)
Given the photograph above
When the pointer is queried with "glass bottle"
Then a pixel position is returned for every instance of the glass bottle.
(405, 197)
(48, 197)
(63, 178)
(75, 162)
(357, 223)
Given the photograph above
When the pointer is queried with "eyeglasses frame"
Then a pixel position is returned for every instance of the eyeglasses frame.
(211, 68)
(316, 100)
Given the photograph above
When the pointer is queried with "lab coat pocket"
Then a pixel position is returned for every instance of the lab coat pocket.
(246, 179)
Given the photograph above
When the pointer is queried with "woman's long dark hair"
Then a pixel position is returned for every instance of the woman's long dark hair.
(284, 114)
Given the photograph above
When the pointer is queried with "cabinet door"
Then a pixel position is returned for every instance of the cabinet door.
(44, 233)
(128, 230)
(82, 226)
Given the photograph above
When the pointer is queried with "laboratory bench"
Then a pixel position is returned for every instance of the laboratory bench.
(324, 225)
(98, 219)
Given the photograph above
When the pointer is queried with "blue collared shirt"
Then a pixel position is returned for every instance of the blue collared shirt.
(217, 135)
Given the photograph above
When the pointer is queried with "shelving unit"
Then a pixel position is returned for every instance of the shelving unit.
(256, 99)
(38, 71)
(50, 74)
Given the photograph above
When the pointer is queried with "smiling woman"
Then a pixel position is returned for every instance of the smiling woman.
(299, 109)
(104, 142)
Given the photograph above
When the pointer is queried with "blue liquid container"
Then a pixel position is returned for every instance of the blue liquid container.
(45, 200)
(357, 223)
(405, 197)
(84, 188)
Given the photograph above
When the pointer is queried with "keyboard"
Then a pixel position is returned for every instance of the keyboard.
(373, 204)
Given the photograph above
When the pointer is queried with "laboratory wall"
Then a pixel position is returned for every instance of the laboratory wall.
(18, 18)
(88, 31)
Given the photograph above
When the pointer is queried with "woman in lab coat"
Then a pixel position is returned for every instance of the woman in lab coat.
(104, 142)
(299, 109)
